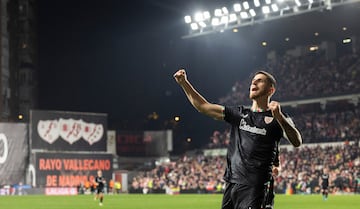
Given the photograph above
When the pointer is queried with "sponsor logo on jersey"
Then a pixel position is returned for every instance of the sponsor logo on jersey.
(244, 126)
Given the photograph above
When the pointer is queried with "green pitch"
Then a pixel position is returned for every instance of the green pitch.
(126, 201)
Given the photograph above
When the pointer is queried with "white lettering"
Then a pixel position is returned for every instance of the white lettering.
(244, 126)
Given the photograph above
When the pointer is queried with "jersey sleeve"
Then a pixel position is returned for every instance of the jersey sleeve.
(290, 121)
(232, 114)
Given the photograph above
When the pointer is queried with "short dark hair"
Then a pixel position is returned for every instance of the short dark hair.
(269, 77)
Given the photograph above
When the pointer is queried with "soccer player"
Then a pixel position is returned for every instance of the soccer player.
(254, 137)
(100, 183)
(325, 184)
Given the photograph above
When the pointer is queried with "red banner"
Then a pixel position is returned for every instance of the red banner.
(70, 170)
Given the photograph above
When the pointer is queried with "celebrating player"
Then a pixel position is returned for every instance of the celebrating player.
(255, 135)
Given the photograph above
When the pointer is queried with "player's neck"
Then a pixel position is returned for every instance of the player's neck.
(259, 106)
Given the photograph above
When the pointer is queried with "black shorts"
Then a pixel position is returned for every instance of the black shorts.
(238, 196)
(100, 190)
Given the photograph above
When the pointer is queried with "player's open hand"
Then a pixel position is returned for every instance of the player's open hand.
(180, 76)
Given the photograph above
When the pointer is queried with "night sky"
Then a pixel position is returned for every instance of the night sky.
(118, 57)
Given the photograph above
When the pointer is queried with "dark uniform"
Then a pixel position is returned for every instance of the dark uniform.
(268, 202)
(100, 184)
(325, 185)
(325, 181)
(252, 150)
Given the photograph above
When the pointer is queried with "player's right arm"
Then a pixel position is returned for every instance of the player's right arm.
(196, 99)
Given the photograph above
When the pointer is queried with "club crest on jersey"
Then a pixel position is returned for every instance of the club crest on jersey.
(268, 119)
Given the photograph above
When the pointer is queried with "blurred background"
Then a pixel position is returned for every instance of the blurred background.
(94, 80)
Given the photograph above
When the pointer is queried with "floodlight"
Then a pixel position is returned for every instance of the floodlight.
(252, 12)
(224, 20)
(328, 4)
(275, 7)
(225, 10)
(246, 5)
(199, 17)
(346, 40)
(218, 13)
(266, 9)
(187, 19)
(237, 7)
(248, 12)
(206, 15)
(194, 26)
(313, 48)
(202, 24)
(232, 17)
(215, 21)
(244, 15)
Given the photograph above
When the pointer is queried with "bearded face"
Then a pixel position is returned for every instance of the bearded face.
(260, 87)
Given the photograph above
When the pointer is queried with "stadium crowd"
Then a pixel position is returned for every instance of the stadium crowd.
(301, 169)
(315, 127)
(300, 172)
(198, 174)
(304, 77)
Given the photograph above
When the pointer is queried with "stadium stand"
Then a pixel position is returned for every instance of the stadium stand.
(300, 172)
(330, 133)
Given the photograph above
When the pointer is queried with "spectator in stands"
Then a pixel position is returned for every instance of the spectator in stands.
(339, 76)
(317, 157)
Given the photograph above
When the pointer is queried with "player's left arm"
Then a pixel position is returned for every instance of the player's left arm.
(291, 132)
(276, 164)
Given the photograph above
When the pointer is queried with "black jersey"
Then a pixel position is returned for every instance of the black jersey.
(100, 182)
(325, 180)
(254, 140)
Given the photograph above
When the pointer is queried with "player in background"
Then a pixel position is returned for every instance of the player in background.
(325, 184)
(100, 184)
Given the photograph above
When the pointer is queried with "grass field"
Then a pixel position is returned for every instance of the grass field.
(169, 202)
